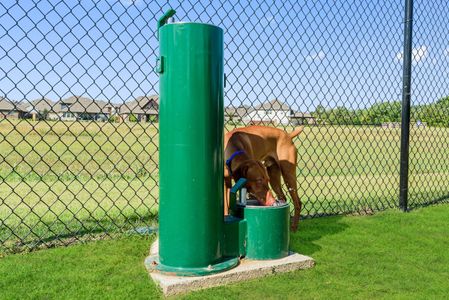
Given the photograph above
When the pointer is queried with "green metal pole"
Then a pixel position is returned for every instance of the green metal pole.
(191, 149)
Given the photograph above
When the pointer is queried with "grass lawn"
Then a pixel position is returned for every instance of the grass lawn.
(60, 180)
(387, 255)
(64, 179)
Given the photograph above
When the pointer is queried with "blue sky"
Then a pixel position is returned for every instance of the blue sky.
(305, 53)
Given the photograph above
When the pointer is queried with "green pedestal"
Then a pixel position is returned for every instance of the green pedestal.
(268, 231)
(225, 264)
(235, 235)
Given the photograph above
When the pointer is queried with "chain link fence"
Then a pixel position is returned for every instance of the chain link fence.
(79, 107)
(429, 156)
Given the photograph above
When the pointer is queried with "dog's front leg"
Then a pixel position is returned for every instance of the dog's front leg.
(227, 192)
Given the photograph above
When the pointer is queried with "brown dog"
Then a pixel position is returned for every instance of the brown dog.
(245, 150)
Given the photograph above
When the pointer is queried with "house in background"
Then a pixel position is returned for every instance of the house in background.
(82, 108)
(39, 109)
(142, 109)
(272, 112)
(276, 112)
(236, 114)
(11, 110)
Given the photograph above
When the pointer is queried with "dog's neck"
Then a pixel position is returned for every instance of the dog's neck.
(237, 161)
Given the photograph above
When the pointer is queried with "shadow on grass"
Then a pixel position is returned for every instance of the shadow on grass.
(312, 230)
(66, 232)
(414, 204)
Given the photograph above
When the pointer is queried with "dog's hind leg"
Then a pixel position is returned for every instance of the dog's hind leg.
(288, 168)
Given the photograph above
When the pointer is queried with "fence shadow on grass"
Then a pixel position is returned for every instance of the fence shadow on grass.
(66, 233)
(423, 203)
(312, 230)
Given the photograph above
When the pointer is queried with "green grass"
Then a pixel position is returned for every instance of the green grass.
(387, 255)
(60, 179)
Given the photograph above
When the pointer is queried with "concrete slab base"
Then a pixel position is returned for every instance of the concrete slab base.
(247, 269)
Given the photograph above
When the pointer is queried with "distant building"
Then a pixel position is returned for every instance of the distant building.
(276, 112)
(82, 108)
(39, 109)
(142, 109)
(236, 114)
(11, 110)
(270, 112)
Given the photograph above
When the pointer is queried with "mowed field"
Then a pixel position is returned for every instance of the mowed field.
(60, 181)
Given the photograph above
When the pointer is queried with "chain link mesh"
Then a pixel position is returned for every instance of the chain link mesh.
(429, 157)
(79, 107)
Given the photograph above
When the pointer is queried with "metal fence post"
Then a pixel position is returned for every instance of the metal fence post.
(405, 123)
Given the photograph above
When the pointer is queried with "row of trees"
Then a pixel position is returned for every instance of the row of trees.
(434, 114)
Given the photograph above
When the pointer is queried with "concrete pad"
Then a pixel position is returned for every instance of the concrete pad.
(247, 269)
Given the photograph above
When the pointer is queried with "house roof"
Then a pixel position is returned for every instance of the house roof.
(139, 105)
(39, 105)
(80, 104)
(6, 104)
(275, 104)
(239, 111)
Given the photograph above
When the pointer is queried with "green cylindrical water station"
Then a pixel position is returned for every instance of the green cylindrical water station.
(194, 237)
(191, 149)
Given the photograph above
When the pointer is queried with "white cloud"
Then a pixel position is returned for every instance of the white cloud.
(418, 54)
(130, 2)
(446, 52)
(316, 56)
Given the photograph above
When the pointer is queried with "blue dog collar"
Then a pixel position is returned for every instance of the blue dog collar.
(229, 160)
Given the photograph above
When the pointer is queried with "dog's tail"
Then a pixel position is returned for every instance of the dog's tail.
(296, 132)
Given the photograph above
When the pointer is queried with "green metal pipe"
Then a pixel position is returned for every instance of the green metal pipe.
(191, 146)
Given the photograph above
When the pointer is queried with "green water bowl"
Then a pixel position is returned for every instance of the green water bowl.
(268, 232)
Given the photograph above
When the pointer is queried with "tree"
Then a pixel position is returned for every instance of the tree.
(434, 114)
(44, 114)
(132, 118)
(319, 114)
